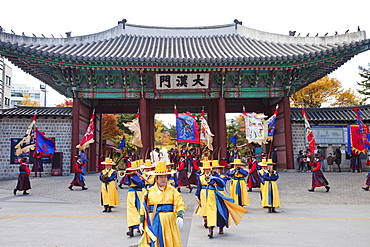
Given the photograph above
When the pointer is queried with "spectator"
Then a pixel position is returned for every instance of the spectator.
(37, 163)
(338, 158)
(301, 159)
(330, 161)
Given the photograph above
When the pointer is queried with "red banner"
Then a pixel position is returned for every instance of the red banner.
(89, 135)
(356, 140)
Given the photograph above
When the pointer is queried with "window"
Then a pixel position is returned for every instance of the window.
(16, 94)
(7, 101)
(7, 81)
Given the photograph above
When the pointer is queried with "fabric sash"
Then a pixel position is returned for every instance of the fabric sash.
(137, 200)
(22, 172)
(156, 226)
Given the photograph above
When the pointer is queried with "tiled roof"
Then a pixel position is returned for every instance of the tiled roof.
(202, 44)
(345, 115)
(29, 111)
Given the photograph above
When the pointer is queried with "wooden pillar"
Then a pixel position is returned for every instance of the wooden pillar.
(144, 126)
(288, 134)
(222, 127)
(75, 131)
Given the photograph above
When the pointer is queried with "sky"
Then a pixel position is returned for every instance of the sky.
(86, 17)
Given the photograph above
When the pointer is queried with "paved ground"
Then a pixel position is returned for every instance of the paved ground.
(52, 215)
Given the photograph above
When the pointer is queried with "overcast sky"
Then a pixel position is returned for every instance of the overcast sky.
(87, 17)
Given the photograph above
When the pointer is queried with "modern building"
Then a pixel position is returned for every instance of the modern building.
(20, 90)
(5, 84)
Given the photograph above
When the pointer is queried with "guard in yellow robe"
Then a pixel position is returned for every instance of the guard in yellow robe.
(108, 192)
(135, 195)
(215, 207)
(238, 186)
(162, 212)
(269, 189)
(146, 168)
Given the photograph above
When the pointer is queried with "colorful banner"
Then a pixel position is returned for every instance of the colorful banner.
(271, 124)
(187, 128)
(206, 136)
(255, 128)
(134, 127)
(309, 134)
(355, 140)
(44, 145)
(363, 129)
(89, 135)
(28, 141)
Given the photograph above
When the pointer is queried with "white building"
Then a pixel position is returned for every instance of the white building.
(5, 84)
(20, 90)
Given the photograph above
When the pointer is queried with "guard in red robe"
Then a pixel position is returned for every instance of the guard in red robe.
(79, 179)
(253, 179)
(23, 178)
(318, 178)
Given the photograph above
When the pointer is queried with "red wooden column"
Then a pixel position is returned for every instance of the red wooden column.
(75, 131)
(144, 126)
(288, 134)
(222, 127)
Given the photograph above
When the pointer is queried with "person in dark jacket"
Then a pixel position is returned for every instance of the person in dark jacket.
(338, 158)
(37, 163)
(23, 177)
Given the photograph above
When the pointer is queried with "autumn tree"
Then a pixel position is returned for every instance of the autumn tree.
(158, 132)
(365, 82)
(67, 103)
(317, 93)
(347, 98)
(26, 101)
(110, 130)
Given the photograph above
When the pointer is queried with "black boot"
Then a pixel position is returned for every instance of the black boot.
(250, 190)
(327, 188)
(120, 186)
(205, 222)
(364, 188)
(178, 189)
(70, 187)
(105, 209)
(269, 210)
(273, 210)
(221, 230)
(15, 191)
(190, 189)
(130, 232)
(84, 188)
(312, 190)
(25, 193)
(210, 233)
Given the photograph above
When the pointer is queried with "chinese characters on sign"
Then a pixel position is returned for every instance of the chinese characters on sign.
(182, 81)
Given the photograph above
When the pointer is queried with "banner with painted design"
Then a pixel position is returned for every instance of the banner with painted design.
(187, 128)
(355, 139)
(255, 128)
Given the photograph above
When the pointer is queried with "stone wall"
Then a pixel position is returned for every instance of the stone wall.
(60, 128)
(299, 137)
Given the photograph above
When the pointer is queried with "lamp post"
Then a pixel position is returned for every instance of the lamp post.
(43, 89)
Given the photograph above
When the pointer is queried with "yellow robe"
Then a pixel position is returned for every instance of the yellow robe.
(109, 194)
(170, 230)
(208, 207)
(133, 214)
(243, 187)
(269, 190)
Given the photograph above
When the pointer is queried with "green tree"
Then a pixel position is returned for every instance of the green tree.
(365, 82)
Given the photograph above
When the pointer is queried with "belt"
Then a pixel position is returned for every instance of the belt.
(162, 208)
(135, 188)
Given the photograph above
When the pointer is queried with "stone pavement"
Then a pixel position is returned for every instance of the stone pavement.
(52, 215)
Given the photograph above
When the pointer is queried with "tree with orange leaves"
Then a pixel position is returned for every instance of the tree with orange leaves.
(110, 130)
(67, 103)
